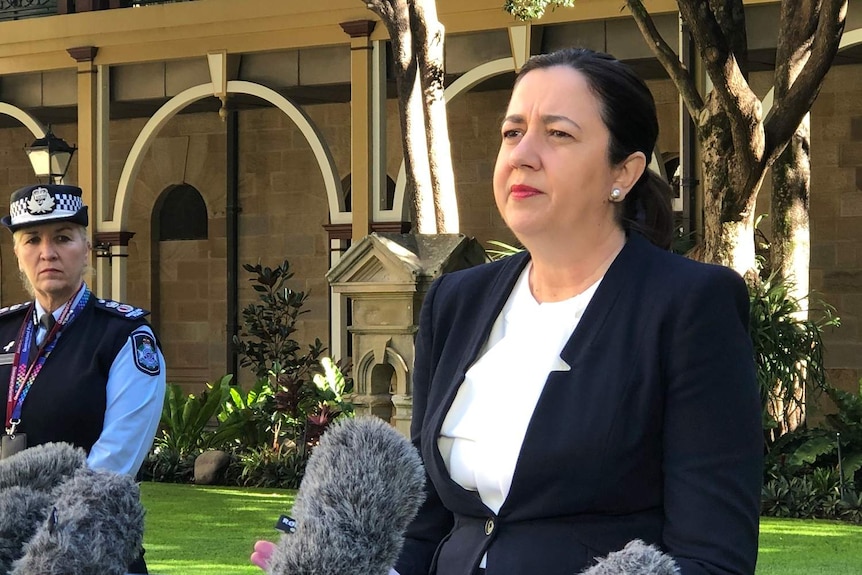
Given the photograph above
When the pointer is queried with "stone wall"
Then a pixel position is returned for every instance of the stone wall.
(836, 218)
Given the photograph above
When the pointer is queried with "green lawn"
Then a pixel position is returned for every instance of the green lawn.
(803, 547)
(211, 531)
(193, 530)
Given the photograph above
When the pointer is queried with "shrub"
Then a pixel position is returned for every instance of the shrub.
(788, 349)
(818, 472)
(264, 466)
(303, 392)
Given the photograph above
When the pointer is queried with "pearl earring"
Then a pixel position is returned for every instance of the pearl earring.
(616, 194)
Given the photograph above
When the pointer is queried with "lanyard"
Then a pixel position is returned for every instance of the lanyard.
(23, 375)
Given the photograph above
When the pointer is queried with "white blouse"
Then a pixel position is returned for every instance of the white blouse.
(482, 434)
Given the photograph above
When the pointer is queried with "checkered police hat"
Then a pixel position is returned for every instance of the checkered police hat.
(43, 204)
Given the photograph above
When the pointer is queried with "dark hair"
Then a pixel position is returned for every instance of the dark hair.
(628, 111)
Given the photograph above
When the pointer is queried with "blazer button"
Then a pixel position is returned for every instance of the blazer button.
(489, 526)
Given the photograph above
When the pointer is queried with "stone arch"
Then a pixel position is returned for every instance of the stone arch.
(188, 320)
(161, 202)
(364, 372)
(31, 123)
(374, 387)
(174, 105)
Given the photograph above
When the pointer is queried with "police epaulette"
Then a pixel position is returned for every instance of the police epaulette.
(121, 309)
(12, 309)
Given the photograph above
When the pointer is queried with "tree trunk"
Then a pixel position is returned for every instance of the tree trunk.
(428, 36)
(790, 248)
(789, 254)
(729, 195)
(418, 169)
(791, 185)
(791, 173)
(395, 15)
(417, 46)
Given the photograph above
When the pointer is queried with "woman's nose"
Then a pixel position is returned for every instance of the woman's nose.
(525, 153)
(48, 252)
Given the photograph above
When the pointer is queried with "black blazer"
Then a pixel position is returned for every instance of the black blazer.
(654, 433)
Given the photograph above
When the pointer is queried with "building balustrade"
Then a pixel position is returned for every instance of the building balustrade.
(21, 9)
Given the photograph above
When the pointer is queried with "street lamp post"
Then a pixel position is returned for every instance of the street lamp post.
(50, 157)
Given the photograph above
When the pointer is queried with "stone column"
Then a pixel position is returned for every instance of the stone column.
(361, 60)
(87, 130)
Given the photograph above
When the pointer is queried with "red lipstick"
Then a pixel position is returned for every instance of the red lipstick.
(522, 191)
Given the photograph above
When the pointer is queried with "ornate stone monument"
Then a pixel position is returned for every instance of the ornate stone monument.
(385, 277)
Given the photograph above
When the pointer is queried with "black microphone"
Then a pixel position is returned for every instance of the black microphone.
(363, 485)
(636, 558)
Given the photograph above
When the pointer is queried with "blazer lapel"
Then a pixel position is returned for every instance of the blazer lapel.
(626, 268)
(491, 306)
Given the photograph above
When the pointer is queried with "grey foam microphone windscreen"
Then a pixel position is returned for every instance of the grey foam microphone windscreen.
(363, 485)
(22, 510)
(95, 526)
(636, 558)
(42, 467)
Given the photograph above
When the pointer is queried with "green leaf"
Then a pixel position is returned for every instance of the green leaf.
(850, 465)
(809, 451)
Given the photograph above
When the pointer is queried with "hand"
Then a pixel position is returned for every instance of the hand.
(262, 552)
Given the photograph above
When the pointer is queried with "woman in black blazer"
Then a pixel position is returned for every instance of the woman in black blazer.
(596, 388)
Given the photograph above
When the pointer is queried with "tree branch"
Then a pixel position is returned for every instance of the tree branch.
(384, 10)
(730, 16)
(797, 22)
(735, 97)
(667, 57)
(788, 111)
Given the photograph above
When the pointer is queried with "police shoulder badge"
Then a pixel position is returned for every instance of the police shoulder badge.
(145, 353)
(121, 309)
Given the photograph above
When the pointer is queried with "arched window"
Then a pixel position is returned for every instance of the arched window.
(182, 214)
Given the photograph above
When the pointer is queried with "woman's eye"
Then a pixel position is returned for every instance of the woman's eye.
(33, 240)
(63, 239)
(559, 134)
(511, 133)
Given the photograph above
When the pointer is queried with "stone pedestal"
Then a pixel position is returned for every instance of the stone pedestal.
(385, 277)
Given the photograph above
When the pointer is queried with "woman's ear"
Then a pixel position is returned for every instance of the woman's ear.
(629, 171)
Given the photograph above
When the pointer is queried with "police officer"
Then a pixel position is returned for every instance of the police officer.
(74, 367)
